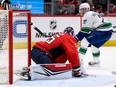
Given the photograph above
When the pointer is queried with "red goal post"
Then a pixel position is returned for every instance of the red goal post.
(15, 36)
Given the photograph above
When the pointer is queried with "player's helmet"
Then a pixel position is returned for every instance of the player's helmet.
(69, 30)
(84, 7)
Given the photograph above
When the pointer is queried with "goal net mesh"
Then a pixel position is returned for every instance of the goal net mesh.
(14, 44)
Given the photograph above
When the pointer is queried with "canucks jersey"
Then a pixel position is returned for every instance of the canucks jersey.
(93, 21)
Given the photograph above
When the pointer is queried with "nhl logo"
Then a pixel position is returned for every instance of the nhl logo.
(53, 24)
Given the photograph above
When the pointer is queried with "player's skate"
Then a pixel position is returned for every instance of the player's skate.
(94, 63)
(25, 73)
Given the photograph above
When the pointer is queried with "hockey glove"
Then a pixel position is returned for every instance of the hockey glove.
(76, 72)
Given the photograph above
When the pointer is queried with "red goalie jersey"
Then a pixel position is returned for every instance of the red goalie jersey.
(61, 47)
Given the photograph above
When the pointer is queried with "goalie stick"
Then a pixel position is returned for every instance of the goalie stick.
(88, 75)
(39, 31)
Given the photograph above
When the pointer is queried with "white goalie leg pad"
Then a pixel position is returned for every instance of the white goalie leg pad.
(51, 71)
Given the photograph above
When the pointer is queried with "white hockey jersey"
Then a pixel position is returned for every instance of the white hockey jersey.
(93, 21)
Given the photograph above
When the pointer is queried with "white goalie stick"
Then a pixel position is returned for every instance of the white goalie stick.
(39, 31)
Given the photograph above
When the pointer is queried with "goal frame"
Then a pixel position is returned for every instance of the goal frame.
(10, 13)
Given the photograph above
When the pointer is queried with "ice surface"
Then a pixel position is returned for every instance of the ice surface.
(103, 77)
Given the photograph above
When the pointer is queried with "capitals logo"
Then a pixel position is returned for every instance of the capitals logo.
(53, 24)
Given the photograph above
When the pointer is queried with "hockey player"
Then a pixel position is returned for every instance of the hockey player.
(95, 32)
(58, 49)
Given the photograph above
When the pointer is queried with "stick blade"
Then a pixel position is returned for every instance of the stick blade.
(38, 30)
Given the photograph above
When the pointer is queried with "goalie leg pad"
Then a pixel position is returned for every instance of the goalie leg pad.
(51, 71)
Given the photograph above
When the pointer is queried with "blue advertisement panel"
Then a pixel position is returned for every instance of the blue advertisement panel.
(35, 6)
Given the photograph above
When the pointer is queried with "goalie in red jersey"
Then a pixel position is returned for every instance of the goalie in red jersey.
(58, 49)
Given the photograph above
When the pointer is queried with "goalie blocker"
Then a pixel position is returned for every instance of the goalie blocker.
(49, 71)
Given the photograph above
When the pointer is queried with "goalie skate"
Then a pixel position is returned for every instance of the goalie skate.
(93, 63)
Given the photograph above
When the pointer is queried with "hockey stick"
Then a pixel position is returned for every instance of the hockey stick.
(88, 75)
(39, 31)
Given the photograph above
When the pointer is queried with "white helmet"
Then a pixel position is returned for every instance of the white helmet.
(84, 6)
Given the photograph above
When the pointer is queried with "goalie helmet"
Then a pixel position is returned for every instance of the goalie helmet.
(69, 30)
(84, 7)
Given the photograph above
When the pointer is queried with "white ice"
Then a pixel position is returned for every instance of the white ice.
(103, 78)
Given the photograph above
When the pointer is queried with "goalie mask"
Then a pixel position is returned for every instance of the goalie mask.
(84, 7)
(69, 30)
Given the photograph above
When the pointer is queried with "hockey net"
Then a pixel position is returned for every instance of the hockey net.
(15, 44)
